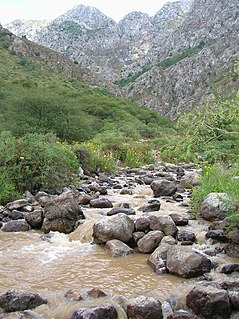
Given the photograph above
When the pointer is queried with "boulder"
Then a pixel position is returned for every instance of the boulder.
(144, 308)
(150, 241)
(15, 214)
(163, 223)
(35, 218)
(18, 300)
(121, 210)
(231, 229)
(118, 226)
(126, 191)
(163, 187)
(101, 203)
(27, 314)
(190, 180)
(156, 262)
(161, 251)
(234, 298)
(116, 248)
(179, 220)
(16, 226)
(217, 234)
(17, 204)
(153, 205)
(186, 236)
(142, 224)
(169, 240)
(106, 311)
(62, 214)
(184, 262)
(232, 250)
(209, 302)
(216, 206)
(137, 236)
(230, 268)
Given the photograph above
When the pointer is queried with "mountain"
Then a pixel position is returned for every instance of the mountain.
(169, 62)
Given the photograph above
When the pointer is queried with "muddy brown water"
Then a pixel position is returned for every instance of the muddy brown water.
(51, 267)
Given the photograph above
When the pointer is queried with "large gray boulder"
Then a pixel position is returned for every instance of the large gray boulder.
(16, 226)
(209, 301)
(216, 206)
(116, 248)
(150, 241)
(163, 187)
(164, 223)
(18, 300)
(62, 214)
(144, 308)
(35, 218)
(184, 262)
(17, 204)
(106, 311)
(118, 226)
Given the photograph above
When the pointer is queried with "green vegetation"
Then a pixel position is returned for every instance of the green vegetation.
(209, 134)
(50, 126)
(179, 56)
(164, 64)
(34, 162)
(217, 178)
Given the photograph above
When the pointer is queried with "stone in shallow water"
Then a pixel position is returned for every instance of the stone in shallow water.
(184, 262)
(118, 226)
(16, 226)
(150, 241)
(73, 295)
(106, 311)
(101, 203)
(96, 293)
(123, 210)
(209, 301)
(18, 300)
(230, 268)
(144, 308)
(116, 248)
(163, 187)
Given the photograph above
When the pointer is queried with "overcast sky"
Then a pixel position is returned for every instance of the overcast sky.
(50, 9)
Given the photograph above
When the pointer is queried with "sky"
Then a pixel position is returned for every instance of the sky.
(50, 9)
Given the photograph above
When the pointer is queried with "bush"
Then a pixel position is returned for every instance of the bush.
(211, 134)
(216, 178)
(34, 162)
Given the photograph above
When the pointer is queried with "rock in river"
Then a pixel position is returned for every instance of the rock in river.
(118, 226)
(18, 300)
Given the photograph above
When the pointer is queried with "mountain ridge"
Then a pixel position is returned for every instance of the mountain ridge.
(142, 54)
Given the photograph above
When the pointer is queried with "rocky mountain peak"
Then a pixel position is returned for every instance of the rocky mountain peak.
(88, 17)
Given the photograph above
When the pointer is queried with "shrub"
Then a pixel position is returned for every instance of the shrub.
(216, 178)
(34, 162)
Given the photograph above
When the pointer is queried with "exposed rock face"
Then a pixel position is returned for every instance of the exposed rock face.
(209, 301)
(134, 51)
(184, 262)
(18, 300)
(118, 226)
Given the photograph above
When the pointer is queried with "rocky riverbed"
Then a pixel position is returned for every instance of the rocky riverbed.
(122, 246)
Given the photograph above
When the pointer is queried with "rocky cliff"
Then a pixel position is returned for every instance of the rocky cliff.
(168, 62)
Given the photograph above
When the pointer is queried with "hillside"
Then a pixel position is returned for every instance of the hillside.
(169, 62)
(43, 91)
